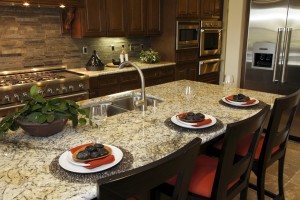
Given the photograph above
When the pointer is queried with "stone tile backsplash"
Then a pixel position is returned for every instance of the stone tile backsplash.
(31, 37)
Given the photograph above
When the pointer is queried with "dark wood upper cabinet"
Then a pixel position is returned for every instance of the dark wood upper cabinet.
(153, 17)
(136, 17)
(93, 19)
(188, 8)
(119, 18)
(54, 3)
(115, 10)
(211, 9)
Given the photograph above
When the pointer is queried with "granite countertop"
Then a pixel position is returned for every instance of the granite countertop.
(113, 70)
(29, 168)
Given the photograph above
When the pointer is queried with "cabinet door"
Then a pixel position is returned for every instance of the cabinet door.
(115, 10)
(135, 17)
(211, 9)
(104, 85)
(166, 74)
(218, 9)
(129, 81)
(188, 8)
(186, 71)
(151, 76)
(94, 20)
(212, 78)
(153, 17)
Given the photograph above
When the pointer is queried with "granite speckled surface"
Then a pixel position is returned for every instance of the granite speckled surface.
(113, 70)
(147, 136)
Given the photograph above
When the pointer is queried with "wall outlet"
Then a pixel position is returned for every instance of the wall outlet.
(84, 50)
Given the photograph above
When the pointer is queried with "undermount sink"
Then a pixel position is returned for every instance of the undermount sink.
(127, 102)
(114, 110)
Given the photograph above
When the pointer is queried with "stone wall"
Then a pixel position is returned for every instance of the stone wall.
(31, 37)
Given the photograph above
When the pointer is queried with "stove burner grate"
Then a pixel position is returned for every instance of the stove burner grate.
(29, 78)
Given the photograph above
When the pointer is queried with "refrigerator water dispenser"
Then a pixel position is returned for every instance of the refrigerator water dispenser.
(263, 55)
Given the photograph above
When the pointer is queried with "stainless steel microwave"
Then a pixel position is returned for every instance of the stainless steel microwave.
(187, 34)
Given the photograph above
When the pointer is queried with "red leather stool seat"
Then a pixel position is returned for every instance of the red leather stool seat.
(243, 146)
(203, 176)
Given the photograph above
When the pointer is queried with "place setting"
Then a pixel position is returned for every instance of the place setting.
(240, 100)
(90, 158)
(90, 162)
(194, 122)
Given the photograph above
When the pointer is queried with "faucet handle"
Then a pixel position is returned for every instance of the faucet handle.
(139, 103)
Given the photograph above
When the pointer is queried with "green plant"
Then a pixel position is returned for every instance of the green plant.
(40, 110)
(149, 56)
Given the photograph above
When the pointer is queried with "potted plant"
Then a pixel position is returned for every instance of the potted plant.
(149, 56)
(44, 117)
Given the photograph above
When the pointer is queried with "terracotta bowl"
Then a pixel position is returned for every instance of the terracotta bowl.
(42, 130)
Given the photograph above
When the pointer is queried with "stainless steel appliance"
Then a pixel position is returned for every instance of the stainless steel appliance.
(187, 34)
(273, 50)
(210, 38)
(209, 66)
(54, 82)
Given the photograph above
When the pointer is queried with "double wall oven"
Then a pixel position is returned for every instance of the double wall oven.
(53, 82)
(210, 49)
(206, 36)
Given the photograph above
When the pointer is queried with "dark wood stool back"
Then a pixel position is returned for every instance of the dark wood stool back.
(136, 181)
(275, 142)
(230, 169)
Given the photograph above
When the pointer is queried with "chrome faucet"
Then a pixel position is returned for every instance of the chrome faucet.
(143, 102)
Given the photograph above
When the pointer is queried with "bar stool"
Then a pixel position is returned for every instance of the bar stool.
(226, 176)
(272, 144)
(143, 179)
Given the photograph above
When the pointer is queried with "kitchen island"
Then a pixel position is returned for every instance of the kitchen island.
(29, 166)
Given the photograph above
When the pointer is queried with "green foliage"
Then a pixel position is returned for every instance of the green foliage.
(149, 56)
(41, 110)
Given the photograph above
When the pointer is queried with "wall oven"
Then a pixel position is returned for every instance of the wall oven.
(187, 34)
(210, 39)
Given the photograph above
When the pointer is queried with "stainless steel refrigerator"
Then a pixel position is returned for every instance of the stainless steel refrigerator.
(273, 49)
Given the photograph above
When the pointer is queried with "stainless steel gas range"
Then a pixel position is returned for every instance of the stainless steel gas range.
(54, 82)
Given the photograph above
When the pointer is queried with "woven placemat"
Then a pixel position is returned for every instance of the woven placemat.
(57, 171)
(216, 127)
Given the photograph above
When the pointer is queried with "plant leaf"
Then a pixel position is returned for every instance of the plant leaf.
(34, 91)
(82, 121)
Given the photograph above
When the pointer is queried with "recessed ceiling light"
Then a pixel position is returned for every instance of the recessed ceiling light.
(62, 6)
(26, 4)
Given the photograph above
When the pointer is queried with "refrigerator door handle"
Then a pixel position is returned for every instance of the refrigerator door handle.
(277, 53)
(288, 35)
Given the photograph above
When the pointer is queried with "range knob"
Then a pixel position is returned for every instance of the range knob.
(7, 98)
(50, 91)
(64, 89)
(17, 97)
(71, 87)
(57, 90)
(24, 94)
(41, 92)
(80, 85)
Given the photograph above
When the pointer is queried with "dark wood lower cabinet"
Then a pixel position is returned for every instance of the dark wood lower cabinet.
(119, 82)
(129, 81)
(209, 78)
(104, 85)
(186, 71)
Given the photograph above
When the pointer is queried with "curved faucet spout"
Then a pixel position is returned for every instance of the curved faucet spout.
(143, 101)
